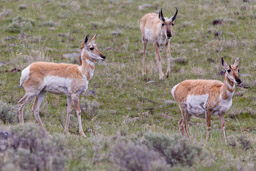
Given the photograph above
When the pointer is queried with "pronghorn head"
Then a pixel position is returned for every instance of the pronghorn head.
(232, 71)
(167, 23)
(91, 49)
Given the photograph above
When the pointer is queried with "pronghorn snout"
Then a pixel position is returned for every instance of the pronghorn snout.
(169, 35)
(238, 81)
(103, 57)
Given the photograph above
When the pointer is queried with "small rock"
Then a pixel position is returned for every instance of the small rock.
(238, 93)
(71, 55)
(113, 112)
(9, 38)
(217, 22)
(48, 23)
(143, 6)
(180, 60)
(117, 33)
(244, 85)
(22, 7)
(211, 60)
(4, 135)
(246, 1)
(168, 102)
(3, 63)
(245, 75)
(217, 33)
(91, 93)
(63, 34)
(221, 73)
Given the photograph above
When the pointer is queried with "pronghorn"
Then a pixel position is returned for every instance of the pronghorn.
(157, 29)
(68, 79)
(204, 98)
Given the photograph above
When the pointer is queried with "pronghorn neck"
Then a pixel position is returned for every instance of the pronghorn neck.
(228, 88)
(88, 66)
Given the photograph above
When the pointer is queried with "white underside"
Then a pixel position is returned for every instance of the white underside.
(161, 39)
(196, 104)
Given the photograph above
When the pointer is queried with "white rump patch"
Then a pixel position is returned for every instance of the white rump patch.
(24, 75)
(173, 90)
(196, 104)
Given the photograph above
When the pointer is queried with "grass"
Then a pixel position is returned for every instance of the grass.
(128, 106)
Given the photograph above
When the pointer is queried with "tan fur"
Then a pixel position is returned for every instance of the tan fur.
(157, 29)
(218, 94)
(68, 79)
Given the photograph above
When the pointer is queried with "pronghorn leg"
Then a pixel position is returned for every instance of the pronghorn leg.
(22, 102)
(168, 53)
(144, 56)
(222, 125)
(158, 62)
(184, 120)
(75, 99)
(181, 127)
(69, 109)
(36, 107)
(208, 124)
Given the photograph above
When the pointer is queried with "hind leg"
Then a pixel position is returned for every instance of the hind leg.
(183, 122)
(69, 109)
(36, 107)
(22, 102)
(144, 41)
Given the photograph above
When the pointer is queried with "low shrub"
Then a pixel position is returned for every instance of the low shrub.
(131, 156)
(240, 141)
(8, 113)
(175, 149)
(31, 148)
(20, 24)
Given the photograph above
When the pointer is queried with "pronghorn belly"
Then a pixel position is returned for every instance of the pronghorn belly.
(57, 85)
(196, 105)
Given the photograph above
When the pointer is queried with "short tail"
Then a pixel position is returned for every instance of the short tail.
(24, 76)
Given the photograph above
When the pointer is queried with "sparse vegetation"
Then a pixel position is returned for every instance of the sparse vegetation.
(120, 103)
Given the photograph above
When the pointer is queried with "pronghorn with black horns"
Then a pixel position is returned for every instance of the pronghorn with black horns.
(59, 78)
(157, 29)
(204, 98)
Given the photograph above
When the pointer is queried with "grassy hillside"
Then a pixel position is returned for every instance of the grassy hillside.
(120, 105)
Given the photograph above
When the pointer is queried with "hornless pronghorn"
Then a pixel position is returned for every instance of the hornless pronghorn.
(68, 79)
(204, 98)
(157, 29)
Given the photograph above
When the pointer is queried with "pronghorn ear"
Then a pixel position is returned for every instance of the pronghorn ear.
(161, 16)
(236, 62)
(224, 64)
(174, 17)
(93, 38)
(86, 39)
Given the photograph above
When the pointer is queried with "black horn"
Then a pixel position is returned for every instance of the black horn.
(174, 17)
(161, 16)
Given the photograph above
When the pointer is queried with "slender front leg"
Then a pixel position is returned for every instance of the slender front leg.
(69, 109)
(208, 124)
(168, 52)
(222, 125)
(75, 99)
(144, 56)
(158, 62)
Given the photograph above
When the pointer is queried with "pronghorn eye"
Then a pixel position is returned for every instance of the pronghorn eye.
(238, 70)
(91, 48)
(229, 70)
(162, 24)
(172, 24)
